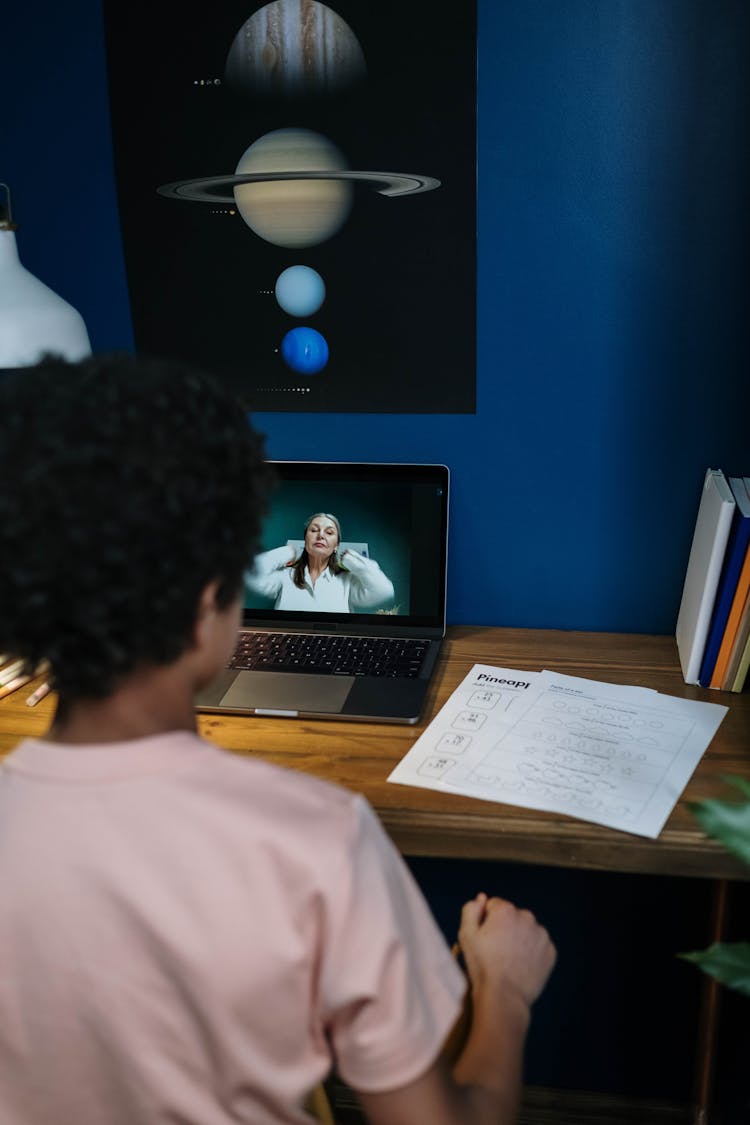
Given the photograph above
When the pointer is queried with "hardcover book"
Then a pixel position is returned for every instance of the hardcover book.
(712, 527)
(739, 537)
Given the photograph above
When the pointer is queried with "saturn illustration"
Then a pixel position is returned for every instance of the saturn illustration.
(292, 187)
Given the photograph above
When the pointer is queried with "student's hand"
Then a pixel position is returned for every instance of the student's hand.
(505, 948)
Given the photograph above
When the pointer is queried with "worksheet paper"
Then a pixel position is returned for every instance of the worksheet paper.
(611, 754)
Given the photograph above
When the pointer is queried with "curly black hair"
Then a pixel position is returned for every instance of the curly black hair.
(126, 485)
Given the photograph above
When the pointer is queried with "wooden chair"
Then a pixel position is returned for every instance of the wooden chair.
(319, 1106)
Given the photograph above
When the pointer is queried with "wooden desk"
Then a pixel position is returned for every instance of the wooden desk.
(429, 823)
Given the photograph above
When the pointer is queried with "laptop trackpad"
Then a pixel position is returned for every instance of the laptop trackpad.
(287, 691)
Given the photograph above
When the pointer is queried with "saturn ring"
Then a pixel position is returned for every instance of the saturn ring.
(218, 189)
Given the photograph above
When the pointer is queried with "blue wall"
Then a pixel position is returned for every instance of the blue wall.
(612, 289)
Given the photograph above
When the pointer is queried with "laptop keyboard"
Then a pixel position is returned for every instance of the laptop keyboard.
(329, 655)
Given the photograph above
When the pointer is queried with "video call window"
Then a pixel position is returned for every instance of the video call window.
(389, 524)
(374, 549)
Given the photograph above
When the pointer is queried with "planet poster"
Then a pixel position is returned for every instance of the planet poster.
(297, 194)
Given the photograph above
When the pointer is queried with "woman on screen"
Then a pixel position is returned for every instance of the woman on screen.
(320, 579)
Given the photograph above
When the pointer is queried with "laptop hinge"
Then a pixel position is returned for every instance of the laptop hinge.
(350, 628)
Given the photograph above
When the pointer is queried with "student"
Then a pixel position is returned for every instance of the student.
(188, 935)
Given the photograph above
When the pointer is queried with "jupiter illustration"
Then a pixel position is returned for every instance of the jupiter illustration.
(293, 48)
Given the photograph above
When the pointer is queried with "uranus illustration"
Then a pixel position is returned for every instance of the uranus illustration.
(300, 290)
(304, 350)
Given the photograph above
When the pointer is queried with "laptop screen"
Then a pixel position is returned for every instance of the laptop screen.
(363, 544)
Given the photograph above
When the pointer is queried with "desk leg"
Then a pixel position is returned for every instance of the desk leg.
(709, 1014)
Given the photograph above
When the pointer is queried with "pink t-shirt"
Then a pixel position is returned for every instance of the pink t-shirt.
(189, 936)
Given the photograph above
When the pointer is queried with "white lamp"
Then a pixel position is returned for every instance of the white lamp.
(33, 319)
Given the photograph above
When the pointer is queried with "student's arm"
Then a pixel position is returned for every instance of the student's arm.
(509, 958)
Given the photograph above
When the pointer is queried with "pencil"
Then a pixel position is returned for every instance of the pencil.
(11, 672)
(39, 694)
(14, 685)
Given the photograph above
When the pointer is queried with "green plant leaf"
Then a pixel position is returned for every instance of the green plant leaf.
(727, 821)
(728, 962)
(741, 783)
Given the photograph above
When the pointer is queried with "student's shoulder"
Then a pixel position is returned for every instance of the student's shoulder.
(273, 790)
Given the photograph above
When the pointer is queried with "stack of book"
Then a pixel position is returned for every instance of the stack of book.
(713, 625)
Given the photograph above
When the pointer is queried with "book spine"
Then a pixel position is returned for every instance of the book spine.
(733, 621)
(739, 680)
(735, 556)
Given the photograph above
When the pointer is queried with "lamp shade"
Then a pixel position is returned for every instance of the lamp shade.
(33, 319)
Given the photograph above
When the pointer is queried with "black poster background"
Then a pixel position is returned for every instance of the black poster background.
(400, 310)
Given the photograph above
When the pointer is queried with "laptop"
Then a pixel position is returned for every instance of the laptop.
(356, 634)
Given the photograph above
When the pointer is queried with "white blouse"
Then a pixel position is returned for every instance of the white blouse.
(361, 586)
